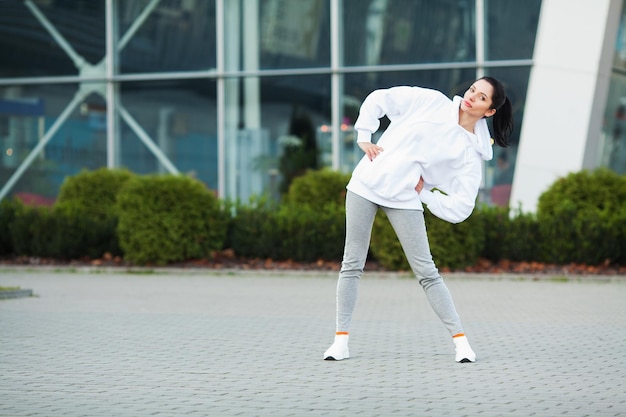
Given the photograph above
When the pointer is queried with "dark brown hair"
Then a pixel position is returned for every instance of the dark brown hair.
(503, 118)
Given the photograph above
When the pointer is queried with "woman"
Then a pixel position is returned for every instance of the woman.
(431, 154)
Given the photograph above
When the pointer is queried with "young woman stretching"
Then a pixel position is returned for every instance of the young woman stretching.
(432, 143)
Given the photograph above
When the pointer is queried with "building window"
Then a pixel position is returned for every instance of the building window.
(613, 140)
(246, 116)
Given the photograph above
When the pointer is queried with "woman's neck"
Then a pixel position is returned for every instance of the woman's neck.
(466, 121)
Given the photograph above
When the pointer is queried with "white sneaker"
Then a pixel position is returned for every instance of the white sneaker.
(464, 352)
(338, 350)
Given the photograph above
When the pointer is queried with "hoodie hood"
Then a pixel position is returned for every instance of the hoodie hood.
(481, 139)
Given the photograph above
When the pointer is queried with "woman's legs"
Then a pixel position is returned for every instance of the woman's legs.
(411, 231)
(360, 215)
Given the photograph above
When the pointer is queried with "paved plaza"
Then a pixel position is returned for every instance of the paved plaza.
(203, 343)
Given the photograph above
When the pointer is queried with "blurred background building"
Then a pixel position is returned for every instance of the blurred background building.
(246, 94)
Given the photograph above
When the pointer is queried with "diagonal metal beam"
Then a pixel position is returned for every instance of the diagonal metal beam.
(137, 24)
(78, 98)
(83, 91)
(145, 138)
(78, 60)
(88, 70)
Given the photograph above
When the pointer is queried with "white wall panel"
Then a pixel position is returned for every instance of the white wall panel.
(566, 93)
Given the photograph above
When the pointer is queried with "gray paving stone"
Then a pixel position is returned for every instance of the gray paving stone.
(188, 343)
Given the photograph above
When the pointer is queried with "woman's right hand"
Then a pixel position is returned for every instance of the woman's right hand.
(420, 185)
(370, 149)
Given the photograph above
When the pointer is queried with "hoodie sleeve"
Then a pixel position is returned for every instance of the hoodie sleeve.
(460, 195)
(392, 102)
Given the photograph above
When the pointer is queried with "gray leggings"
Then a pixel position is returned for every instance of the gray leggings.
(411, 231)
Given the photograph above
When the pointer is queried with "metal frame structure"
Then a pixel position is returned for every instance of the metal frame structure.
(103, 79)
(97, 79)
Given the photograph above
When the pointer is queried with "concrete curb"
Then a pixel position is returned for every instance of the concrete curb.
(64, 269)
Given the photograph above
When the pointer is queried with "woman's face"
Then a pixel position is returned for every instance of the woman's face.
(477, 99)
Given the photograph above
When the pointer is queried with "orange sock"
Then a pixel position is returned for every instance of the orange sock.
(458, 335)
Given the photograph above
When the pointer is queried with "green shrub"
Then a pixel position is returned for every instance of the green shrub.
(86, 208)
(309, 225)
(453, 246)
(311, 234)
(523, 240)
(48, 233)
(581, 218)
(513, 238)
(33, 231)
(169, 218)
(93, 192)
(254, 231)
(496, 225)
(79, 235)
(7, 216)
(318, 188)
(290, 231)
(619, 230)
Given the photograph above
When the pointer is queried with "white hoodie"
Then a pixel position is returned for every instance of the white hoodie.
(423, 139)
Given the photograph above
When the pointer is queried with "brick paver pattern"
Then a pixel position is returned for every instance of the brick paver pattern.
(202, 343)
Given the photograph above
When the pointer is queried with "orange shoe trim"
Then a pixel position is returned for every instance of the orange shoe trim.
(341, 333)
(458, 335)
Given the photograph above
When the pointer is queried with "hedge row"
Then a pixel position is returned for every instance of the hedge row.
(160, 220)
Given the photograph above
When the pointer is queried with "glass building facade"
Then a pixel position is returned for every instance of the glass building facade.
(613, 139)
(242, 94)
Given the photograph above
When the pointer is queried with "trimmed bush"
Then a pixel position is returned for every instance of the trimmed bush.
(93, 192)
(254, 231)
(48, 233)
(7, 216)
(497, 225)
(169, 218)
(291, 231)
(313, 217)
(308, 226)
(79, 235)
(514, 238)
(319, 188)
(86, 207)
(523, 240)
(33, 231)
(620, 235)
(311, 234)
(581, 218)
(455, 246)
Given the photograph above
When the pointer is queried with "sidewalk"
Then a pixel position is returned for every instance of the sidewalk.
(204, 343)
